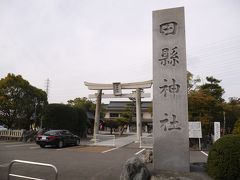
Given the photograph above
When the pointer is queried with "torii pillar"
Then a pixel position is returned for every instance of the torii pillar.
(97, 113)
(138, 114)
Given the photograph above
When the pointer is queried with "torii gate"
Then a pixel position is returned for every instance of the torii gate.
(117, 93)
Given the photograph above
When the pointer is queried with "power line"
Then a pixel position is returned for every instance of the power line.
(232, 40)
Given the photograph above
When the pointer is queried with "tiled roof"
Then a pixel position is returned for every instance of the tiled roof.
(122, 105)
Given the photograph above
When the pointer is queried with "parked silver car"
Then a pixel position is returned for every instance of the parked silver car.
(2, 128)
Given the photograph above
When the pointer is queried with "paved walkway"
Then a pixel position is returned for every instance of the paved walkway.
(123, 141)
(117, 142)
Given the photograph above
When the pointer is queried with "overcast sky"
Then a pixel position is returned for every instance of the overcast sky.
(105, 41)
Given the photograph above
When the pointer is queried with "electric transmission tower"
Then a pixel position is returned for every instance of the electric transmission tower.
(47, 87)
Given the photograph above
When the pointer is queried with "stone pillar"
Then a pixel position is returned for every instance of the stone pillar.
(97, 113)
(146, 129)
(170, 106)
(217, 132)
(138, 114)
(128, 129)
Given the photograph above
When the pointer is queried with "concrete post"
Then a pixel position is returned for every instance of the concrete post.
(138, 114)
(97, 113)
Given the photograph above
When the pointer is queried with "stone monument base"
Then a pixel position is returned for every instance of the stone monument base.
(197, 172)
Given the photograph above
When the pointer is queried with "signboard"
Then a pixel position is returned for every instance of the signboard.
(195, 130)
(117, 89)
(217, 133)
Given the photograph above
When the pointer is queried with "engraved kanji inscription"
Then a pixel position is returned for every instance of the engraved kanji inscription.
(169, 57)
(169, 125)
(174, 124)
(172, 88)
(165, 56)
(164, 122)
(168, 28)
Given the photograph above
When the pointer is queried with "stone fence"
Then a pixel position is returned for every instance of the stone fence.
(11, 134)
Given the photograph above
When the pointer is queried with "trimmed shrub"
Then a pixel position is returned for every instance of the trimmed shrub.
(224, 158)
(236, 129)
(61, 116)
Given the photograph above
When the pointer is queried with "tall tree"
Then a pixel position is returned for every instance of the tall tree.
(192, 83)
(21, 104)
(232, 113)
(87, 105)
(82, 103)
(213, 88)
(130, 111)
(205, 104)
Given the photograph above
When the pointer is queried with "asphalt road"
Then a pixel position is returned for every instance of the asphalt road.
(73, 163)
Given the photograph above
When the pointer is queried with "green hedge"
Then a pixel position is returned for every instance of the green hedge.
(236, 129)
(61, 116)
(224, 158)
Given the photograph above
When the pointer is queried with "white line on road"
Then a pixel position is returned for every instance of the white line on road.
(139, 152)
(19, 145)
(24, 177)
(204, 153)
(4, 165)
(6, 143)
(109, 150)
(34, 147)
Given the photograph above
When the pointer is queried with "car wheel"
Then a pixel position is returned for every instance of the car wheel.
(77, 142)
(60, 144)
(42, 145)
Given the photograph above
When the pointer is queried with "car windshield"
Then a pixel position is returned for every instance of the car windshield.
(52, 133)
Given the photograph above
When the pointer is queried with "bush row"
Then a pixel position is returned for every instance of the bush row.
(61, 116)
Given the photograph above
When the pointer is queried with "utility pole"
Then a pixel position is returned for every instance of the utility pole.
(224, 123)
(47, 92)
(35, 110)
(47, 88)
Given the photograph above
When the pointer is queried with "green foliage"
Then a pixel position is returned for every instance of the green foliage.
(191, 82)
(21, 105)
(87, 105)
(224, 158)
(82, 103)
(130, 112)
(122, 121)
(111, 123)
(236, 129)
(199, 102)
(205, 103)
(60, 116)
(234, 100)
(115, 123)
(213, 88)
(232, 111)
